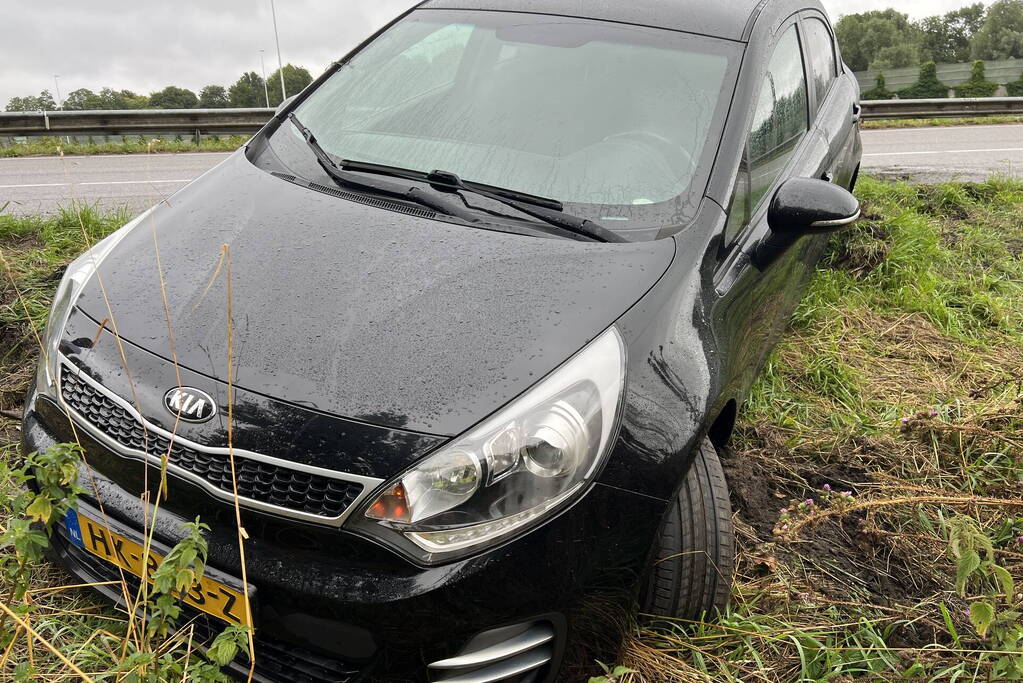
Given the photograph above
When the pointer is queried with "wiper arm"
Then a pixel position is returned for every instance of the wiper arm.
(345, 178)
(550, 211)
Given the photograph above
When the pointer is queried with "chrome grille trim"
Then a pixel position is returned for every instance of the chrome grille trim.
(519, 651)
(504, 669)
(533, 638)
(369, 484)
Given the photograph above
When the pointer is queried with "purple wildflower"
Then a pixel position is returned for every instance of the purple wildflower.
(784, 511)
(809, 502)
(905, 420)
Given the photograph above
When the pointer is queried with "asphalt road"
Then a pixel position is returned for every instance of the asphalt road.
(949, 153)
(39, 185)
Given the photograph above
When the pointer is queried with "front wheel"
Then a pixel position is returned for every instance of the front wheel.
(695, 550)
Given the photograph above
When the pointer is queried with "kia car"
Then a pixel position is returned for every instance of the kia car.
(459, 336)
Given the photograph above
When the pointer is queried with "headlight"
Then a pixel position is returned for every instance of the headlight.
(511, 471)
(77, 275)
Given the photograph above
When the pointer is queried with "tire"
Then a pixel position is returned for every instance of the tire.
(694, 553)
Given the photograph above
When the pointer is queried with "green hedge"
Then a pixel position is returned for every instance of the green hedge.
(927, 86)
(1015, 88)
(879, 91)
(977, 86)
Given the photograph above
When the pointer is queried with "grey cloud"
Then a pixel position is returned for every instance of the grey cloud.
(144, 46)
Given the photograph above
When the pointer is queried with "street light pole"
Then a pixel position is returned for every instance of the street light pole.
(60, 103)
(280, 64)
(266, 90)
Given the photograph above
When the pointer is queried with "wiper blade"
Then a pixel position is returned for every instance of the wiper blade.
(449, 181)
(345, 178)
(550, 211)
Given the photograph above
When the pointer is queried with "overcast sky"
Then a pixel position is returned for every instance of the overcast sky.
(146, 45)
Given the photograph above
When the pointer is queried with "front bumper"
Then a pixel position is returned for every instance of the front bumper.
(335, 606)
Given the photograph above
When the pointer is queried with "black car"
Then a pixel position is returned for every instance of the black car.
(464, 327)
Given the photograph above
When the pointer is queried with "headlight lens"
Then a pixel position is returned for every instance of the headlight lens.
(510, 471)
(77, 275)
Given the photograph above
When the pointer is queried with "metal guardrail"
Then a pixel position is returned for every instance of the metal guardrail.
(941, 108)
(133, 122)
(206, 121)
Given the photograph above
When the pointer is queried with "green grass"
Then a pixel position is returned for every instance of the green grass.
(940, 122)
(900, 380)
(130, 145)
(917, 311)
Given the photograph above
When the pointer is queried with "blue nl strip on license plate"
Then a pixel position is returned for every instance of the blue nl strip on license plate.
(74, 528)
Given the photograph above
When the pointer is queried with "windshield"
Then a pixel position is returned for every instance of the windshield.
(612, 120)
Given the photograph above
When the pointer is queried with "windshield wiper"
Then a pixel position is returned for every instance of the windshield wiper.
(350, 179)
(550, 211)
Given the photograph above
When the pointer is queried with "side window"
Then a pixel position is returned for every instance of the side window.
(780, 119)
(821, 47)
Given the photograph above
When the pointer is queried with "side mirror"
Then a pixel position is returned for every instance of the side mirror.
(283, 105)
(802, 206)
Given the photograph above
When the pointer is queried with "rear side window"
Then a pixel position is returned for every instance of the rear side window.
(780, 119)
(822, 56)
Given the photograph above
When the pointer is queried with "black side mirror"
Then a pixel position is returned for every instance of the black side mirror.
(802, 206)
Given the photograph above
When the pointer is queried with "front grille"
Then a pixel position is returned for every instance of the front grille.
(259, 481)
(275, 659)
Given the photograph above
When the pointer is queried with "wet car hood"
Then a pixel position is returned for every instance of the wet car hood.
(357, 311)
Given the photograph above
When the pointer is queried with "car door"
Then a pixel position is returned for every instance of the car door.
(754, 304)
(835, 98)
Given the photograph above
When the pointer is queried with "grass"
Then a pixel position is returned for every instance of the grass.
(899, 381)
(130, 145)
(939, 122)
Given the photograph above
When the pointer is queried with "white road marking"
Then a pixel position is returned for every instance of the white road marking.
(99, 182)
(944, 151)
(76, 157)
(133, 182)
(35, 185)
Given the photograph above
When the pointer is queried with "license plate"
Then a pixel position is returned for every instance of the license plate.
(209, 595)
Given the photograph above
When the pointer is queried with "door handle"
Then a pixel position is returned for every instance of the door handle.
(857, 112)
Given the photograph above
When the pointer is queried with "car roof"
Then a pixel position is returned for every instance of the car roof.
(720, 18)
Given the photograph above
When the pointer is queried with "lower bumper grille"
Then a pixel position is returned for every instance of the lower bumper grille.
(263, 482)
(276, 661)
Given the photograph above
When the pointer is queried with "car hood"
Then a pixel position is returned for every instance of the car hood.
(356, 311)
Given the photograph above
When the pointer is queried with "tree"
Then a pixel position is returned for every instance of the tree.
(44, 102)
(927, 86)
(247, 91)
(946, 38)
(213, 97)
(977, 86)
(108, 98)
(895, 56)
(295, 79)
(173, 97)
(879, 91)
(80, 99)
(863, 37)
(1001, 35)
